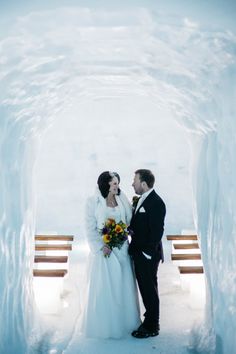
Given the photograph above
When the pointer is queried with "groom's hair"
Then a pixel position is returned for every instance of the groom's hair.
(103, 182)
(146, 176)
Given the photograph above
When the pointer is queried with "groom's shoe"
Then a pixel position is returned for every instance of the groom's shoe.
(143, 332)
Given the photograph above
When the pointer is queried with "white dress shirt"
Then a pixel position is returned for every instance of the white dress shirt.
(142, 198)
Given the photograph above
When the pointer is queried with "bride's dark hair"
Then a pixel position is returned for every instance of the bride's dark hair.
(103, 182)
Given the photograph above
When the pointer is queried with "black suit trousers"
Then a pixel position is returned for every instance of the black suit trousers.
(146, 274)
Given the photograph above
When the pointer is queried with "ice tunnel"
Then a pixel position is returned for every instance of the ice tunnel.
(124, 87)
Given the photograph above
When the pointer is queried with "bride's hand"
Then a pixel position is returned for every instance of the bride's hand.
(106, 251)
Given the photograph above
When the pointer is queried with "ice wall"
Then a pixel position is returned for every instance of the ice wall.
(53, 59)
(22, 123)
(215, 216)
(16, 229)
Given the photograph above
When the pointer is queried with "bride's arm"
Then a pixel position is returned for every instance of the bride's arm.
(93, 237)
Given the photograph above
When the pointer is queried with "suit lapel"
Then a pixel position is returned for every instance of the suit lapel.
(146, 200)
(136, 210)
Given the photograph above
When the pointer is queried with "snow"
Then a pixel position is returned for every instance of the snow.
(84, 90)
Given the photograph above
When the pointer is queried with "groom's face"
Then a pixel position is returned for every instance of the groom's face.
(137, 184)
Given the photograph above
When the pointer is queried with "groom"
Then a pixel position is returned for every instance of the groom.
(147, 225)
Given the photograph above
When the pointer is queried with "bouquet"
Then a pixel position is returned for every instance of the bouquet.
(113, 235)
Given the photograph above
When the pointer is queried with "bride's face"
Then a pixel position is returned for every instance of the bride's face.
(114, 185)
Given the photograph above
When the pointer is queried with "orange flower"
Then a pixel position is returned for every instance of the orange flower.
(106, 238)
(110, 222)
(118, 229)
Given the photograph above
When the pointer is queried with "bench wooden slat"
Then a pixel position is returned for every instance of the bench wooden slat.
(49, 272)
(181, 237)
(54, 237)
(185, 246)
(64, 247)
(50, 259)
(185, 256)
(190, 269)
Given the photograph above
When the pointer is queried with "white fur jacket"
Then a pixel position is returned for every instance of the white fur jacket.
(96, 216)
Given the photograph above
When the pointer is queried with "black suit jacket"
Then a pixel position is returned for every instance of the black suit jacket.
(148, 227)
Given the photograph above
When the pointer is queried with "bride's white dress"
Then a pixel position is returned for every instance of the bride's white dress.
(111, 307)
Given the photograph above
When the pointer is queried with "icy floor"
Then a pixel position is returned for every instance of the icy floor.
(182, 308)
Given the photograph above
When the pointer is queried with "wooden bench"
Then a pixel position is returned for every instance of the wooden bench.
(49, 272)
(59, 243)
(54, 238)
(191, 269)
(181, 237)
(50, 259)
(180, 244)
(53, 247)
(185, 256)
(186, 246)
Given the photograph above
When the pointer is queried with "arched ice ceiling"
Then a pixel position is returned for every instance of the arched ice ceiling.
(54, 59)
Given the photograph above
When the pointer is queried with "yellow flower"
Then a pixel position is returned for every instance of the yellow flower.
(106, 238)
(118, 229)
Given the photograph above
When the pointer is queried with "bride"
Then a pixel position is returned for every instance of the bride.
(111, 305)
